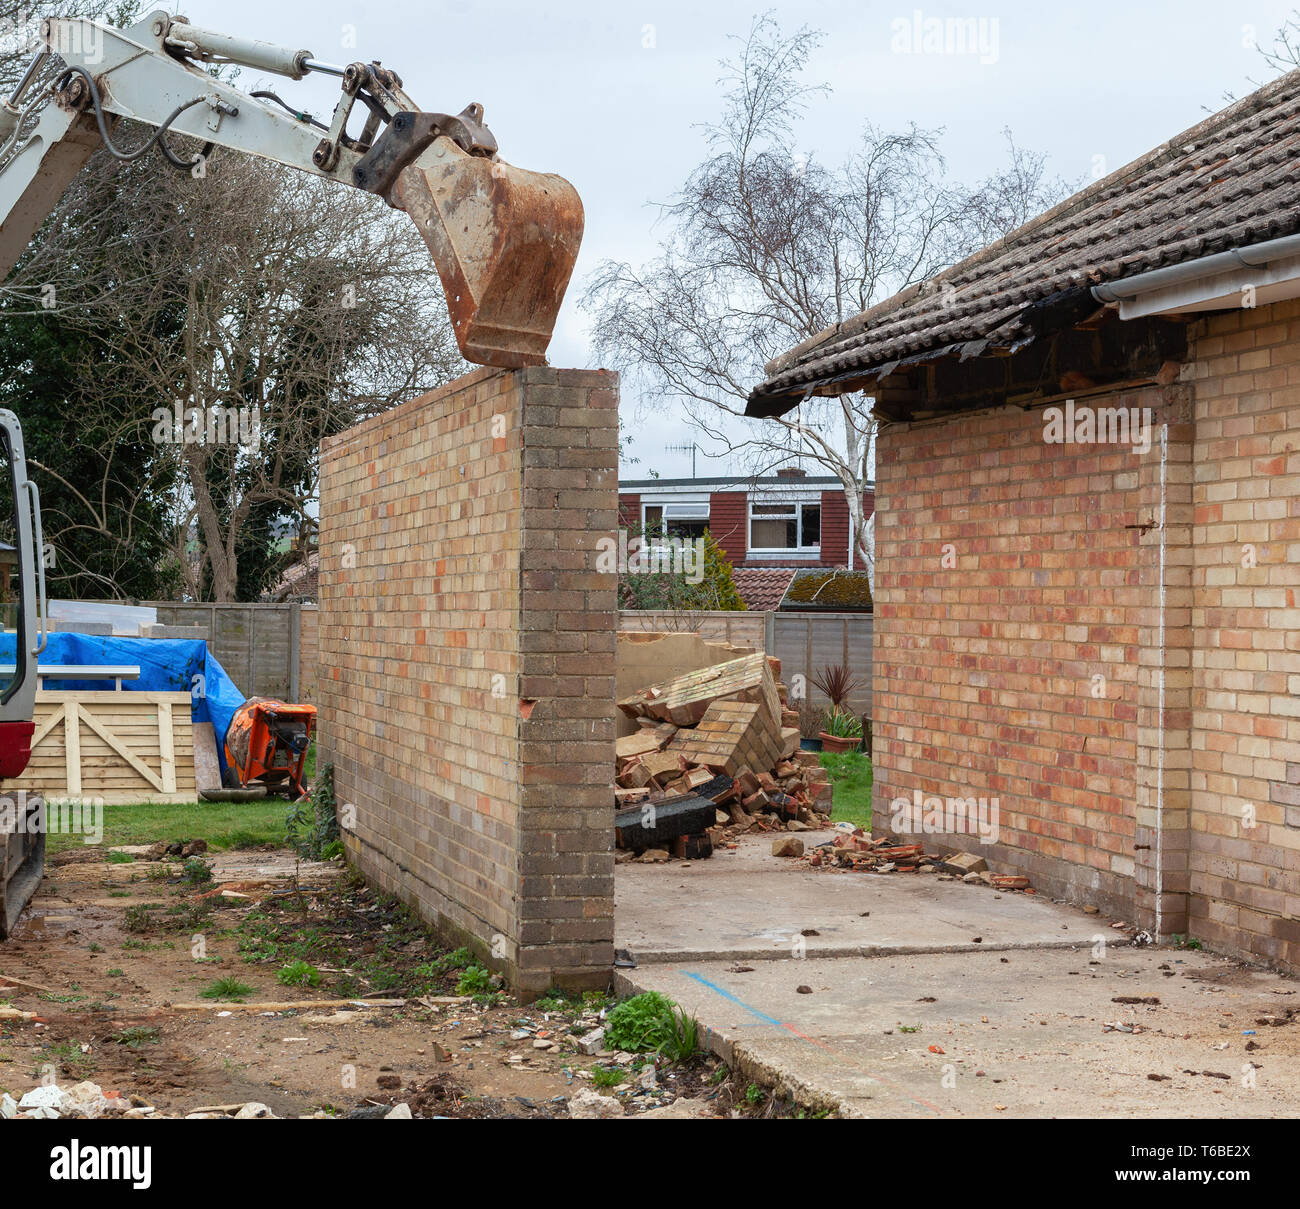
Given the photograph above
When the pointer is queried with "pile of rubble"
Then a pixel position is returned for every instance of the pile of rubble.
(716, 754)
(854, 849)
(85, 1101)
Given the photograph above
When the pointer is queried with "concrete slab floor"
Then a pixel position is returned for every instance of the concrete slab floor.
(1020, 1034)
(750, 904)
(1019, 1015)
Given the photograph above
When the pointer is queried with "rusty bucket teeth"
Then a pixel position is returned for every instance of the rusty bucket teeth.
(504, 240)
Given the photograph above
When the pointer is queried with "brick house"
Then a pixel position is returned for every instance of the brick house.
(1088, 534)
(787, 521)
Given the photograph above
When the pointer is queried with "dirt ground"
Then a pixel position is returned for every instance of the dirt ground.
(121, 949)
(116, 951)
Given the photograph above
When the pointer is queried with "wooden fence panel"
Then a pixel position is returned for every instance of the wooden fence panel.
(804, 642)
(119, 746)
(258, 644)
(807, 642)
(739, 627)
(269, 650)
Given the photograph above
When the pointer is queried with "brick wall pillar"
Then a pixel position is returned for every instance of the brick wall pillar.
(568, 625)
(1164, 676)
(466, 638)
(729, 524)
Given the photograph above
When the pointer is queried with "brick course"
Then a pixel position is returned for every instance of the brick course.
(467, 662)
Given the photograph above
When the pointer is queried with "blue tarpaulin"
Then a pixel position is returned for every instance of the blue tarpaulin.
(167, 665)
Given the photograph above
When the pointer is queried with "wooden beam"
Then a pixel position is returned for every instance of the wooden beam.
(56, 716)
(72, 746)
(166, 748)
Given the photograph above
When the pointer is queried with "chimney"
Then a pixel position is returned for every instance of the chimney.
(791, 472)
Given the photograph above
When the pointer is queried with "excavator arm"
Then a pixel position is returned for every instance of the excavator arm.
(504, 239)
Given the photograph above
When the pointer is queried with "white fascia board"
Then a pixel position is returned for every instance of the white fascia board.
(672, 495)
(785, 495)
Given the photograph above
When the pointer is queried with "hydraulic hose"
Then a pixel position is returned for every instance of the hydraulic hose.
(155, 138)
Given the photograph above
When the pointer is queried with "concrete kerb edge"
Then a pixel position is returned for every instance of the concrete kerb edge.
(740, 1058)
(679, 956)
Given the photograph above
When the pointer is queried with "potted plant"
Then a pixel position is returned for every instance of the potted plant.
(841, 731)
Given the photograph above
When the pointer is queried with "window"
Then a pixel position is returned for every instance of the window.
(775, 527)
(675, 520)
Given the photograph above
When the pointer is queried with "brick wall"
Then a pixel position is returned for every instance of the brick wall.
(1007, 577)
(1108, 642)
(835, 530)
(1244, 881)
(467, 662)
(629, 510)
(835, 527)
(308, 653)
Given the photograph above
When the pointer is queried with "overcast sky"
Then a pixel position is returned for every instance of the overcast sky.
(609, 94)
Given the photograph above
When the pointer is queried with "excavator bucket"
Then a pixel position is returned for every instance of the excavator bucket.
(505, 241)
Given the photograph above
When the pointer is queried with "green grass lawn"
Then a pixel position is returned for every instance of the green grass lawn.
(850, 773)
(222, 824)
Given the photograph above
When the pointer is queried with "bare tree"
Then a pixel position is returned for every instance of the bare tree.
(255, 310)
(1284, 54)
(766, 247)
(277, 305)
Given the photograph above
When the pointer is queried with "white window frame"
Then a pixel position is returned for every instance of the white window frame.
(783, 551)
(679, 511)
(676, 511)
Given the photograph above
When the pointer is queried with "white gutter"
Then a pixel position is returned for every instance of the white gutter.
(1271, 269)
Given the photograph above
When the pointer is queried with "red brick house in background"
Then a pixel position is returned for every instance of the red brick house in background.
(784, 522)
(1102, 635)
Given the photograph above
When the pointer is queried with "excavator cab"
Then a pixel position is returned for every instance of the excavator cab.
(22, 604)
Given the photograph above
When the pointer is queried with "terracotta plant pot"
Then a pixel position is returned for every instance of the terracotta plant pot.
(836, 744)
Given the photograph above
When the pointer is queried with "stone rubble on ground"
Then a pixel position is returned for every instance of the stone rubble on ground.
(852, 849)
(87, 1101)
(589, 1105)
(83, 1101)
(679, 1110)
(701, 738)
